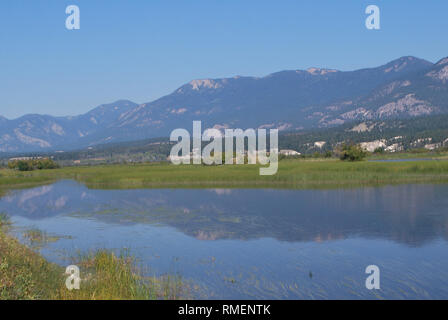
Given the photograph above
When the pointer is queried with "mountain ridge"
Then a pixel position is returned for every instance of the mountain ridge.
(288, 100)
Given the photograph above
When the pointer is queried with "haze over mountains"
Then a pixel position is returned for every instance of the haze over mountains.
(288, 100)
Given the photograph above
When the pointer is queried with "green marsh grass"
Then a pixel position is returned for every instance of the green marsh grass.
(107, 276)
(292, 174)
(25, 274)
(413, 154)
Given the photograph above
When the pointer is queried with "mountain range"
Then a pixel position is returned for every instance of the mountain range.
(287, 100)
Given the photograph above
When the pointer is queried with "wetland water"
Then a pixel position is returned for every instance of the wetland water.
(254, 243)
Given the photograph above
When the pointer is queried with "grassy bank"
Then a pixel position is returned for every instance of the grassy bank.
(291, 174)
(412, 154)
(24, 274)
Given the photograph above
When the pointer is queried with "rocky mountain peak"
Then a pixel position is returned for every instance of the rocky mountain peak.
(405, 62)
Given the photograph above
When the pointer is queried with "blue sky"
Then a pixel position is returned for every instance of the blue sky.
(144, 49)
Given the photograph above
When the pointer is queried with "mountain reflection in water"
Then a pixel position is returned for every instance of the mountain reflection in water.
(408, 214)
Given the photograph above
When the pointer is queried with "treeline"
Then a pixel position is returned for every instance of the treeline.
(406, 132)
(155, 149)
(32, 164)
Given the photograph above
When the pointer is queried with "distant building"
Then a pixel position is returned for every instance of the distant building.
(432, 146)
(396, 147)
(289, 152)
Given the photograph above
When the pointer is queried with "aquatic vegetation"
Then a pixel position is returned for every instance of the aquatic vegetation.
(39, 237)
(107, 276)
(24, 274)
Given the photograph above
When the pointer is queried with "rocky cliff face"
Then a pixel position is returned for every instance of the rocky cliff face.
(423, 92)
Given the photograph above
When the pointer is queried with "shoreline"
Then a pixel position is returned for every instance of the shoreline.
(26, 275)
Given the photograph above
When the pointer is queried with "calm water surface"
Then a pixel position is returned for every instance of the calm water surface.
(255, 244)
